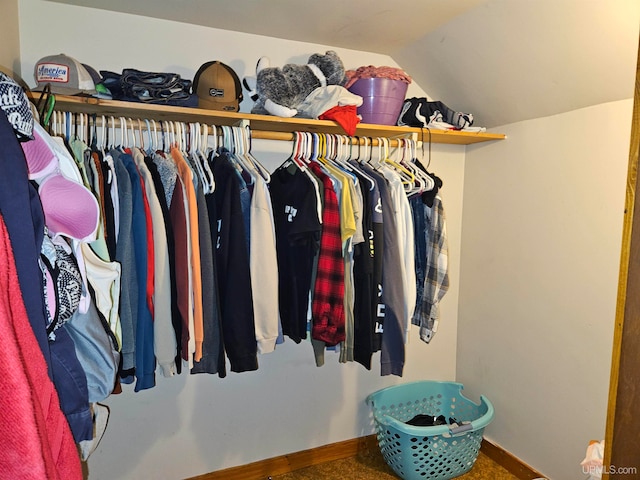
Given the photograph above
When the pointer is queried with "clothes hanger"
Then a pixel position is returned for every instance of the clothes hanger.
(296, 153)
(175, 136)
(432, 181)
(166, 137)
(355, 162)
(195, 160)
(181, 137)
(238, 153)
(140, 139)
(186, 140)
(427, 181)
(103, 134)
(396, 156)
(63, 125)
(246, 137)
(241, 153)
(229, 145)
(111, 131)
(304, 153)
(214, 139)
(172, 135)
(92, 130)
(407, 177)
(369, 153)
(45, 104)
(124, 140)
(155, 135)
(400, 153)
(343, 154)
(149, 149)
(81, 129)
(133, 134)
(54, 123)
(60, 124)
(201, 133)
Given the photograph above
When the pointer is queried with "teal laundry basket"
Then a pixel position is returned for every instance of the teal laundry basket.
(436, 453)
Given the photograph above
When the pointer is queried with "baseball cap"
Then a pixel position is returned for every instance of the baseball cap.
(15, 104)
(66, 75)
(101, 90)
(217, 87)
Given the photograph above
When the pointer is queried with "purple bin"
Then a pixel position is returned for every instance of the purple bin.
(382, 99)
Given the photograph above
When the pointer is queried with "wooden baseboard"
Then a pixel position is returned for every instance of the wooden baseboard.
(514, 465)
(293, 461)
(340, 450)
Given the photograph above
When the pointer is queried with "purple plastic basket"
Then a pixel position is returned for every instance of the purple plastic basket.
(382, 99)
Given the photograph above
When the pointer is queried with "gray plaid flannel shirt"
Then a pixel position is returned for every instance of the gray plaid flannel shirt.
(436, 283)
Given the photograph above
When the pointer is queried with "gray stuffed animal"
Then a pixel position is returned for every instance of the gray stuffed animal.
(280, 90)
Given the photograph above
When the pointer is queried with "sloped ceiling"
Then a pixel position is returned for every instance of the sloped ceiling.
(502, 60)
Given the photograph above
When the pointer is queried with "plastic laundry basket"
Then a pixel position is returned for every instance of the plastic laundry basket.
(382, 99)
(437, 452)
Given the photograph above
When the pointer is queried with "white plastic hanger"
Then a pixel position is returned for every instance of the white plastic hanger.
(430, 182)
(407, 177)
(103, 136)
(172, 135)
(246, 136)
(202, 132)
(297, 152)
(238, 152)
(355, 162)
(140, 136)
(54, 123)
(410, 159)
(149, 149)
(194, 157)
(367, 152)
(123, 134)
(132, 132)
(155, 136)
(112, 132)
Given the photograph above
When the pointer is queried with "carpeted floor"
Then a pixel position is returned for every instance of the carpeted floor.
(371, 466)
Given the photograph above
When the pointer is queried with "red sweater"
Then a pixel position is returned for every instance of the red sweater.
(35, 438)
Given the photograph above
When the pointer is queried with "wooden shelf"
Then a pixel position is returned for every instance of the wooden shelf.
(262, 125)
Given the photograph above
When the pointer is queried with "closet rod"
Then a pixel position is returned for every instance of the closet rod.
(260, 134)
(289, 137)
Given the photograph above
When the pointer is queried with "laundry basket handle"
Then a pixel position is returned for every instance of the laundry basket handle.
(461, 428)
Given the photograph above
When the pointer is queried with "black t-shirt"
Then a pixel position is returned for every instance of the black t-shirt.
(297, 228)
(366, 296)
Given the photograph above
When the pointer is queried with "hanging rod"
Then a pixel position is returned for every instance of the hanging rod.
(356, 140)
(139, 124)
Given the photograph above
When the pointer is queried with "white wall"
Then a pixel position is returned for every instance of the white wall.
(113, 41)
(541, 241)
(189, 425)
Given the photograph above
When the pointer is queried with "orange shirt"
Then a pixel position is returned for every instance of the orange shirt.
(185, 174)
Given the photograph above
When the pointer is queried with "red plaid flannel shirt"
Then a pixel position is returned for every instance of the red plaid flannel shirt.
(327, 308)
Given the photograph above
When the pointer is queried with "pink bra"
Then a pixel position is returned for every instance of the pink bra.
(70, 209)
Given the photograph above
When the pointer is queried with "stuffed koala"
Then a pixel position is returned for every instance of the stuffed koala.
(280, 90)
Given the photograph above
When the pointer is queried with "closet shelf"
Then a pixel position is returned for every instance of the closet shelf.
(262, 126)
